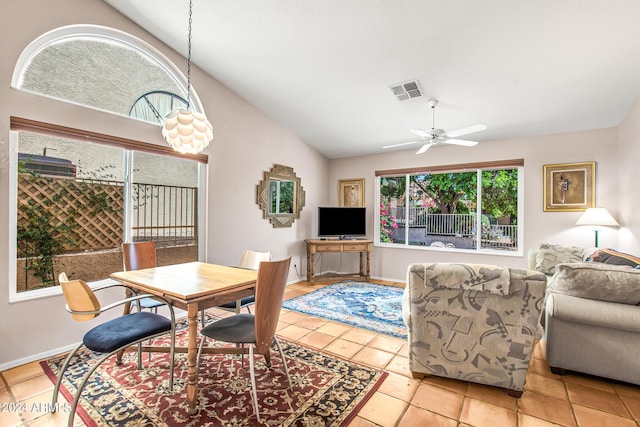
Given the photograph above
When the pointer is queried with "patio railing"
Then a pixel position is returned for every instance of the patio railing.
(165, 214)
(456, 225)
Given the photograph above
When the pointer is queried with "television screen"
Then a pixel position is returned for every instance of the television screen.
(342, 222)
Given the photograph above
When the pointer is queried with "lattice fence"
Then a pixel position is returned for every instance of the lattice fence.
(90, 214)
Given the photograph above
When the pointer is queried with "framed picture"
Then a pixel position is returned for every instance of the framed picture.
(351, 192)
(569, 187)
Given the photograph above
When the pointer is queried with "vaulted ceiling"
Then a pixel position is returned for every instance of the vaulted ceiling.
(324, 68)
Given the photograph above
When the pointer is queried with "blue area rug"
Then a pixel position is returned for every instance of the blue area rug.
(366, 305)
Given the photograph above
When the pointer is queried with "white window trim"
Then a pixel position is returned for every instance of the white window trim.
(107, 35)
(483, 251)
(14, 295)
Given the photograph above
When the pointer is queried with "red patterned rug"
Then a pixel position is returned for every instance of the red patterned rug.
(327, 390)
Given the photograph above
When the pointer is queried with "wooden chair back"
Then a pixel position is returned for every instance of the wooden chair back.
(138, 255)
(272, 279)
(80, 298)
(252, 259)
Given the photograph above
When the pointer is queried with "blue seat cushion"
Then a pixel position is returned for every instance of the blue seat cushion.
(150, 303)
(236, 329)
(125, 330)
(243, 302)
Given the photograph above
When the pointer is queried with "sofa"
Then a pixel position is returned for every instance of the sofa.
(472, 322)
(592, 312)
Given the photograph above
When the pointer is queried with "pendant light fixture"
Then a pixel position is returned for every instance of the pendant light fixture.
(188, 132)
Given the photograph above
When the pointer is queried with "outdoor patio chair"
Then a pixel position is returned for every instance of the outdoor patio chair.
(250, 260)
(112, 336)
(256, 330)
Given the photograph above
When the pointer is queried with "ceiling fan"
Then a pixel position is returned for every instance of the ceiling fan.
(439, 136)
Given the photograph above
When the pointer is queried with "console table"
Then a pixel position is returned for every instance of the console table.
(315, 246)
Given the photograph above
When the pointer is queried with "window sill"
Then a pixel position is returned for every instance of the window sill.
(18, 297)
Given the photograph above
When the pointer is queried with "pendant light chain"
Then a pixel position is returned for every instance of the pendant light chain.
(189, 57)
(187, 131)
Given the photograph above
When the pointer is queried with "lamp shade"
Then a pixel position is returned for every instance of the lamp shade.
(187, 132)
(597, 216)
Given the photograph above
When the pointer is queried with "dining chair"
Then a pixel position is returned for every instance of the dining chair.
(139, 255)
(113, 335)
(250, 260)
(257, 330)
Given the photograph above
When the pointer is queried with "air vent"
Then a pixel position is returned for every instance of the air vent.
(406, 90)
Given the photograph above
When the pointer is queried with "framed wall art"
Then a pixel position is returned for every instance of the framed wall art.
(351, 192)
(569, 187)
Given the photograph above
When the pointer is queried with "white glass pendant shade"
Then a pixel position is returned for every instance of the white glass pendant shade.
(187, 132)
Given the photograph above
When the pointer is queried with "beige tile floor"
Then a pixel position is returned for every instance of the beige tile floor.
(549, 400)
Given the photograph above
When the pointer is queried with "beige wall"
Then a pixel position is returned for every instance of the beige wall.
(539, 226)
(246, 143)
(628, 176)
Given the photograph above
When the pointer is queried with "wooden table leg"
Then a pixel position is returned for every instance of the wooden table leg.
(310, 261)
(192, 353)
(368, 276)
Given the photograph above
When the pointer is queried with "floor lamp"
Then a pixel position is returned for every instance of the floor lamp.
(597, 217)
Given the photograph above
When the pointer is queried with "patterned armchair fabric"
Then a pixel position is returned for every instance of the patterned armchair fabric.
(473, 322)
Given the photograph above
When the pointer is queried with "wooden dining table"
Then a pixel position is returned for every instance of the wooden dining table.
(192, 286)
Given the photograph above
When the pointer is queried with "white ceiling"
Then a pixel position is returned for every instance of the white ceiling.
(323, 68)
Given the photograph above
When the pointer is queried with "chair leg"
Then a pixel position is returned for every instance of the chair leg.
(202, 318)
(253, 383)
(85, 379)
(172, 357)
(56, 389)
(140, 356)
(284, 361)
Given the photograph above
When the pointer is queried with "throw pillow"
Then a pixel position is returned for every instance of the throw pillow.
(549, 256)
(610, 256)
(598, 281)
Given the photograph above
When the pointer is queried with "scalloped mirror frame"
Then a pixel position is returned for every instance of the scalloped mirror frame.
(282, 173)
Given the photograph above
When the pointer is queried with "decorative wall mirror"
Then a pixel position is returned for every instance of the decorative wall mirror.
(280, 196)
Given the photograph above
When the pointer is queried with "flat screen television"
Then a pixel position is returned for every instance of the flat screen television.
(345, 223)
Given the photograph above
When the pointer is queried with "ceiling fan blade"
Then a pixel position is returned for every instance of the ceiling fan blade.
(400, 144)
(464, 142)
(467, 130)
(421, 132)
(424, 148)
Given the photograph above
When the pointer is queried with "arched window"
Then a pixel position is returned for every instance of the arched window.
(79, 193)
(105, 69)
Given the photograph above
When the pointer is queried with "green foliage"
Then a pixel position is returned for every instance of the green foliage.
(499, 188)
(451, 192)
(281, 193)
(41, 238)
(391, 189)
(44, 234)
(387, 224)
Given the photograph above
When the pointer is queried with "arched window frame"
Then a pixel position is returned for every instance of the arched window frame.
(106, 35)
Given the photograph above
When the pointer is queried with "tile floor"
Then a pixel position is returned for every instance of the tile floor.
(548, 400)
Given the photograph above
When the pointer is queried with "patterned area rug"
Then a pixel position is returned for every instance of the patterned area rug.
(327, 391)
(366, 305)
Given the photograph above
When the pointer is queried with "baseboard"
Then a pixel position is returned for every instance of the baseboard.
(54, 352)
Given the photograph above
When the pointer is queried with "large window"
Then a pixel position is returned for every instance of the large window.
(78, 199)
(79, 194)
(457, 207)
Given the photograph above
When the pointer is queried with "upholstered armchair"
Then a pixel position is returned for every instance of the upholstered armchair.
(473, 322)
